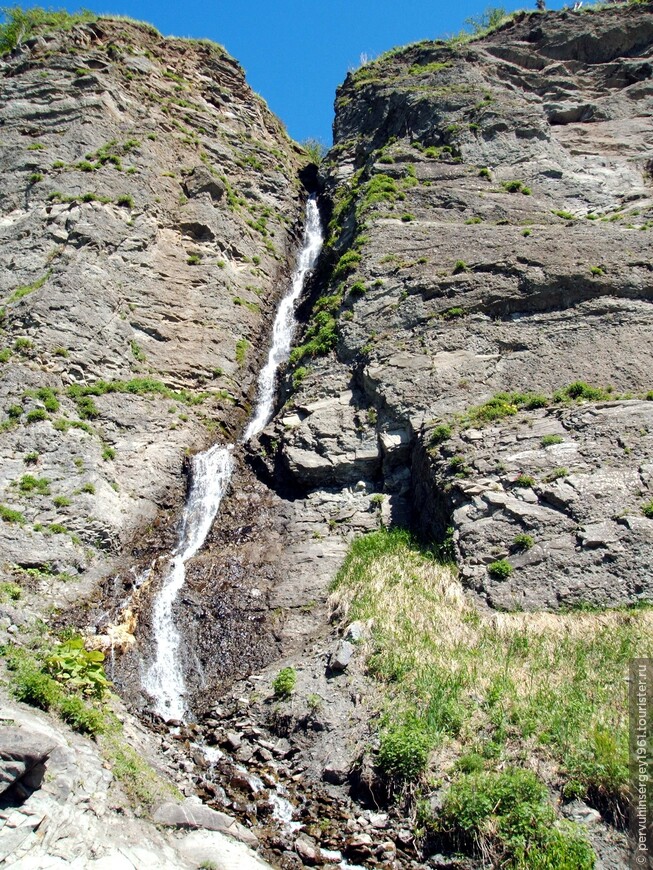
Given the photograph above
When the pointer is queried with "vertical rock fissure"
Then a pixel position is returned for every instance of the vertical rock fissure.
(211, 473)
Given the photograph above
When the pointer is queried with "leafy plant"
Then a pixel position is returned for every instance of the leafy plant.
(442, 432)
(501, 569)
(78, 669)
(523, 541)
(285, 682)
(647, 510)
(404, 749)
(525, 481)
(550, 440)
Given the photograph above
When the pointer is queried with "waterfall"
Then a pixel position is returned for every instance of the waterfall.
(211, 473)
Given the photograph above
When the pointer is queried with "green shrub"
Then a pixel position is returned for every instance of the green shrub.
(346, 264)
(358, 288)
(31, 685)
(484, 172)
(125, 200)
(29, 484)
(442, 432)
(566, 215)
(57, 529)
(81, 717)
(597, 271)
(8, 515)
(581, 390)
(10, 591)
(86, 408)
(407, 217)
(88, 488)
(61, 501)
(523, 542)
(194, 259)
(35, 177)
(556, 474)
(512, 186)
(285, 682)
(550, 440)
(507, 816)
(525, 481)
(453, 313)
(14, 412)
(36, 415)
(526, 233)
(108, 453)
(501, 569)
(404, 749)
(460, 266)
(474, 220)
(647, 510)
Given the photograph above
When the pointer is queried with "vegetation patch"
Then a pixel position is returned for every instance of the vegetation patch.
(67, 679)
(502, 695)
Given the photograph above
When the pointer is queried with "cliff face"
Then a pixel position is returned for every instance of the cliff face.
(490, 243)
(150, 210)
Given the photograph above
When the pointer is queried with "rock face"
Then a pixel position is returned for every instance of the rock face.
(75, 814)
(150, 211)
(491, 211)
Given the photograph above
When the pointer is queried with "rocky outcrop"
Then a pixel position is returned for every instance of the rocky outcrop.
(67, 808)
(150, 210)
(491, 208)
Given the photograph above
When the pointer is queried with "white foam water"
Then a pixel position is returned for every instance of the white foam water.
(211, 474)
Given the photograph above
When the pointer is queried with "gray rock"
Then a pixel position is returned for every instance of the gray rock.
(20, 752)
(341, 657)
(201, 180)
(192, 815)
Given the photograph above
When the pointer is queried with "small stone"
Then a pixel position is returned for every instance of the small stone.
(379, 820)
(330, 856)
(282, 748)
(342, 655)
(233, 739)
(306, 850)
(355, 632)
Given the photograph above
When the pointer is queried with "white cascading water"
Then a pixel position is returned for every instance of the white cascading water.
(211, 473)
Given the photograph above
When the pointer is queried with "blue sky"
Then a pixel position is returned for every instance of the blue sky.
(296, 52)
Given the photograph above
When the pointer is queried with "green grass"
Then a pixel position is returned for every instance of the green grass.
(65, 678)
(242, 346)
(509, 689)
(143, 785)
(525, 481)
(647, 510)
(36, 415)
(550, 440)
(135, 387)
(38, 485)
(19, 292)
(8, 515)
(507, 817)
(10, 591)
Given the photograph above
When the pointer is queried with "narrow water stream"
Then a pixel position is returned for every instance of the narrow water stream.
(211, 473)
